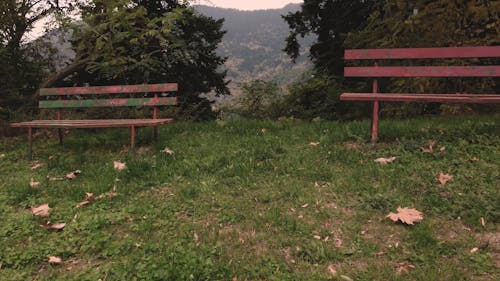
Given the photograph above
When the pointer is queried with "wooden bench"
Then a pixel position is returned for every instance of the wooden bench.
(419, 71)
(91, 97)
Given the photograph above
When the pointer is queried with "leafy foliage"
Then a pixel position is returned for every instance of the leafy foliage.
(134, 42)
(330, 20)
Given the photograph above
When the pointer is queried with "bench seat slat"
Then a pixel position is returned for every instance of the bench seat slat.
(423, 71)
(445, 98)
(108, 102)
(119, 89)
(423, 53)
(92, 123)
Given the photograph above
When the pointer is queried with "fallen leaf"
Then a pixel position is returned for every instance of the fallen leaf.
(264, 130)
(305, 205)
(52, 157)
(383, 160)
(2, 156)
(429, 148)
(35, 165)
(54, 226)
(54, 260)
(332, 270)
(119, 166)
(442, 149)
(34, 184)
(89, 197)
(473, 250)
(346, 278)
(317, 237)
(73, 174)
(338, 243)
(406, 215)
(83, 203)
(483, 222)
(474, 159)
(444, 178)
(42, 210)
(313, 144)
(404, 267)
(166, 150)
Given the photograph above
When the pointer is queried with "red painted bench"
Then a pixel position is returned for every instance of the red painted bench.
(91, 97)
(419, 71)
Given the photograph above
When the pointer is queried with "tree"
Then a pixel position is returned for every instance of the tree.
(136, 41)
(330, 21)
(22, 66)
(259, 99)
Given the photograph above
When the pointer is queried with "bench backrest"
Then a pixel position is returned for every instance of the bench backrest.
(108, 102)
(423, 71)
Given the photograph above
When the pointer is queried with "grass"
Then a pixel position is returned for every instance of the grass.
(234, 203)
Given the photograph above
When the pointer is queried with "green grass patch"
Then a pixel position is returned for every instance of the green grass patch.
(235, 202)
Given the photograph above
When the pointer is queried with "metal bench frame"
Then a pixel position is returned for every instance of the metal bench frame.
(419, 71)
(70, 101)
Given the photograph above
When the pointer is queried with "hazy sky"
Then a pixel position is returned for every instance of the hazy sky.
(250, 4)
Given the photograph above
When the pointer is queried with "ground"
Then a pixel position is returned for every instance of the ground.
(256, 200)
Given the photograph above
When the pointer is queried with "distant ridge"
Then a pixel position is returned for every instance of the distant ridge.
(254, 41)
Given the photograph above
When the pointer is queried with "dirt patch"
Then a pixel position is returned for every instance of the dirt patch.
(491, 242)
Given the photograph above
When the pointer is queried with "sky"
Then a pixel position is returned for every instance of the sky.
(250, 4)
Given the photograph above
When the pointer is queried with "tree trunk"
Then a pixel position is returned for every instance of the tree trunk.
(61, 74)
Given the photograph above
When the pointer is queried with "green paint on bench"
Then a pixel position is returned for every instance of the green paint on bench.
(108, 102)
(119, 89)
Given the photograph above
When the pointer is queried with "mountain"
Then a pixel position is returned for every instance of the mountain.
(253, 44)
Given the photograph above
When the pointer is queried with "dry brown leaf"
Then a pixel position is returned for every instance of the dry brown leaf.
(383, 160)
(167, 151)
(34, 184)
(73, 174)
(313, 144)
(2, 156)
(429, 148)
(54, 260)
(35, 165)
(475, 249)
(83, 203)
(444, 178)
(474, 159)
(406, 215)
(317, 237)
(264, 130)
(42, 210)
(442, 149)
(483, 222)
(404, 267)
(119, 166)
(332, 270)
(54, 226)
(305, 205)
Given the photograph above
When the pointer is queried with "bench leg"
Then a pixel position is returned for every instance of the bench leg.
(30, 144)
(132, 138)
(60, 132)
(155, 134)
(375, 116)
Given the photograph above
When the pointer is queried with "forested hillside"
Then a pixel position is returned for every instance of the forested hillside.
(254, 41)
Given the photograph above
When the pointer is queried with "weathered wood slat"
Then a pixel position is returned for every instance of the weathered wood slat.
(91, 123)
(119, 89)
(108, 102)
(442, 98)
(424, 53)
(423, 71)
